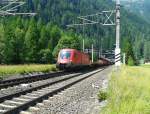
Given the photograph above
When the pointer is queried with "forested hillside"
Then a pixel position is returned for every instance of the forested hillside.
(38, 39)
(139, 7)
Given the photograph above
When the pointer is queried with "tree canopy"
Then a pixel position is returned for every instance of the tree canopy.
(38, 39)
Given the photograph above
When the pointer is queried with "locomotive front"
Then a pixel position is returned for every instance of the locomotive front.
(64, 59)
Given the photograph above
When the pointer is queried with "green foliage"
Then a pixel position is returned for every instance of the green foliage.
(18, 45)
(31, 43)
(129, 91)
(102, 95)
(5, 70)
(29, 40)
(131, 61)
(67, 42)
(25, 44)
(2, 44)
(95, 56)
(45, 56)
(128, 50)
(9, 40)
(141, 8)
(147, 51)
(55, 36)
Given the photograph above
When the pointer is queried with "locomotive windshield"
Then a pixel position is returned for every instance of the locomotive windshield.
(65, 54)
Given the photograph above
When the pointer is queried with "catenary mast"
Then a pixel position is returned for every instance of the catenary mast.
(117, 50)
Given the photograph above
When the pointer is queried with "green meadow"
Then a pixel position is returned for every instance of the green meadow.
(129, 91)
(7, 70)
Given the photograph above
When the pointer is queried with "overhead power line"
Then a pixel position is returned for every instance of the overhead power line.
(105, 18)
(10, 7)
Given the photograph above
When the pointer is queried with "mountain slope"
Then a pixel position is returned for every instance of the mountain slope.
(62, 12)
(140, 7)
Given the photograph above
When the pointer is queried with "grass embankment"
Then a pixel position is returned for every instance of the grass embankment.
(129, 91)
(6, 70)
(146, 65)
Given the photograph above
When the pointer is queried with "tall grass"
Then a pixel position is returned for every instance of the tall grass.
(129, 91)
(23, 69)
(146, 65)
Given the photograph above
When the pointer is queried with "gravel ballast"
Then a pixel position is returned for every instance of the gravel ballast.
(23, 87)
(81, 98)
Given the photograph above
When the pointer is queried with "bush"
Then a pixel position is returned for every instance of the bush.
(102, 95)
(131, 62)
(45, 56)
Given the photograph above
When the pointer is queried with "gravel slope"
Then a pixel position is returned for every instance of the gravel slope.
(79, 99)
(23, 87)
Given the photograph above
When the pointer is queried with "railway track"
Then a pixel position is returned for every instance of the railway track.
(28, 79)
(16, 102)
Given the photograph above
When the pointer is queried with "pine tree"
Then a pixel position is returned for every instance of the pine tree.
(55, 36)
(31, 42)
(9, 47)
(44, 38)
(2, 45)
(147, 51)
(128, 50)
(19, 46)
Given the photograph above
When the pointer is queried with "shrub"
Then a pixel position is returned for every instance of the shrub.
(102, 95)
(131, 61)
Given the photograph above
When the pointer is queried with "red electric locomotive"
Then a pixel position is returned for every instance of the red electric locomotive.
(72, 58)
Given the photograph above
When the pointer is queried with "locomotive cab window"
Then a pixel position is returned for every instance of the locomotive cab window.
(65, 54)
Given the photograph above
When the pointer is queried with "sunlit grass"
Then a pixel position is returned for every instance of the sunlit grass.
(129, 91)
(23, 69)
(146, 65)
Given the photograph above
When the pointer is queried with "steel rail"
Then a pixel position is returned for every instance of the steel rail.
(12, 82)
(33, 101)
(10, 96)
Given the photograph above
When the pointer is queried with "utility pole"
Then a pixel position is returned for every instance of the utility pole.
(104, 18)
(117, 50)
(101, 50)
(92, 53)
(83, 37)
(124, 58)
(83, 45)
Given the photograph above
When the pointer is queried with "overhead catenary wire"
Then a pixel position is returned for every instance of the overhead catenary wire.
(10, 7)
(107, 21)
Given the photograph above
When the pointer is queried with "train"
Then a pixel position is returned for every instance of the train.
(72, 58)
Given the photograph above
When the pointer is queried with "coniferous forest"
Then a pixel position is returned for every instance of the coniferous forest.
(38, 39)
